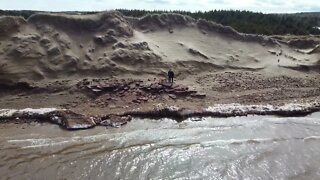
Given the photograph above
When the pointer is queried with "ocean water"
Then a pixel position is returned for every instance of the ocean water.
(254, 147)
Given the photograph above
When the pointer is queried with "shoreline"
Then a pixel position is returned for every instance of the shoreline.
(112, 102)
(70, 120)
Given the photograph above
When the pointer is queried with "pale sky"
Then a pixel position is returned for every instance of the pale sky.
(266, 6)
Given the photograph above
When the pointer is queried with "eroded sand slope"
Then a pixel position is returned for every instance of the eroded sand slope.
(57, 46)
(50, 54)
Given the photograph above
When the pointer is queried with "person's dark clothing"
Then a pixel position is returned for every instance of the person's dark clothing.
(170, 76)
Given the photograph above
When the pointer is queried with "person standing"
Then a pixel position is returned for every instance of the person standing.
(170, 76)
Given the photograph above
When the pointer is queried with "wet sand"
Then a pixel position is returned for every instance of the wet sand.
(244, 87)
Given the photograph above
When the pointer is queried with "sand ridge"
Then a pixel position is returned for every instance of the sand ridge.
(57, 46)
(51, 53)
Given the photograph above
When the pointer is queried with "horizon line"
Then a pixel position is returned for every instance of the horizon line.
(192, 11)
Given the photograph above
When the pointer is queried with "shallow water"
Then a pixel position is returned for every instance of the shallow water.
(252, 147)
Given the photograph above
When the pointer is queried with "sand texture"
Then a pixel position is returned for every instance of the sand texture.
(44, 58)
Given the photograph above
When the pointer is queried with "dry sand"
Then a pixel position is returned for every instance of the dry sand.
(54, 52)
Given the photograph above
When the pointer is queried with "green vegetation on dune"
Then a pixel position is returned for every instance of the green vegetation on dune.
(249, 22)
(242, 21)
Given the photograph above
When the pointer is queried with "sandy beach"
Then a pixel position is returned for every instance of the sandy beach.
(107, 64)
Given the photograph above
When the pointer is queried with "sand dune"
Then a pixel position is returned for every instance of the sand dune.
(315, 50)
(49, 54)
(58, 46)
